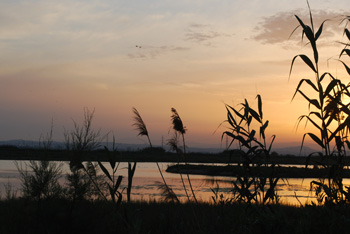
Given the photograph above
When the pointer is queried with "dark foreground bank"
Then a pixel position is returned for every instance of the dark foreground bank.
(63, 216)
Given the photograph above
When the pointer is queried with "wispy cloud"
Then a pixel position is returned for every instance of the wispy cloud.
(150, 52)
(203, 34)
(278, 27)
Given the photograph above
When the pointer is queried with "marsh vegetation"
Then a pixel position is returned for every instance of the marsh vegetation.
(92, 201)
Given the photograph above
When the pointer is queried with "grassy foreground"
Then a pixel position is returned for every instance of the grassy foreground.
(61, 216)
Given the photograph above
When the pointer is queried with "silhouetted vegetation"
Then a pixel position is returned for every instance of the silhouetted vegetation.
(249, 187)
(91, 200)
(22, 216)
(329, 114)
(167, 192)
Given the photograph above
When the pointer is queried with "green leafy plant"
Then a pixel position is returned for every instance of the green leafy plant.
(255, 153)
(328, 114)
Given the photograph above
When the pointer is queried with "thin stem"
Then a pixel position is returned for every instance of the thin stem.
(94, 182)
(188, 176)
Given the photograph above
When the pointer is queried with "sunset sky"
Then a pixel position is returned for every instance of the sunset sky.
(58, 57)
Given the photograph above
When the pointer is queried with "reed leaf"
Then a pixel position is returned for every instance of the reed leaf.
(230, 118)
(331, 86)
(346, 67)
(341, 127)
(262, 129)
(311, 101)
(315, 139)
(311, 120)
(308, 81)
(305, 59)
(324, 75)
(254, 114)
(117, 184)
(319, 31)
(272, 140)
(235, 111)
(260, 106)
(317, 114)
(347, 33)
(105, 171)
(347, 51)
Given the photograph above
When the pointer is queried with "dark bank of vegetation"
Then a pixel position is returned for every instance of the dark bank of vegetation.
(92, 199)
(57, 216)
(238, 171)
(154, 155)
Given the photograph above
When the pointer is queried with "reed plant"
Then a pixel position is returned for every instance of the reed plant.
(180, 130)
(329, 114)
(40, 178)
(114, 180)
(140, 126)
(10, 191)
(82, 139)
(255, 154)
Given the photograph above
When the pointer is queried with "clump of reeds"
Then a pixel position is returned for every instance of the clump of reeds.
(255, 153)
(179, 128)
(328, 113)
(140, 126)
(83, 138)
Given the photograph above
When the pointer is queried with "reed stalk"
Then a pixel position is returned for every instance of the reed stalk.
(140, 126)
(180, 128)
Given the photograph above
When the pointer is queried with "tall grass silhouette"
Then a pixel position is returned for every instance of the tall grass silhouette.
(114, 180)
(41, 180)
(255, 154)
(83, 138)
(329, 114)
(140, 126)
(180, 129)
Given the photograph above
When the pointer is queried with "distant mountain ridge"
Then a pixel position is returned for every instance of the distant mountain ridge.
(135, 147)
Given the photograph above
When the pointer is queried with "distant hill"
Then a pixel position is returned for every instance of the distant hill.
(294, 151)
(135, 147)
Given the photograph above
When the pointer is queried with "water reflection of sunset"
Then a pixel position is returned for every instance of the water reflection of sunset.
(147, 180)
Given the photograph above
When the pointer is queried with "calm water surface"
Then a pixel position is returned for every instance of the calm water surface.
(147, 179)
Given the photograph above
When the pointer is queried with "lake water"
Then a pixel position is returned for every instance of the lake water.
(147, 179)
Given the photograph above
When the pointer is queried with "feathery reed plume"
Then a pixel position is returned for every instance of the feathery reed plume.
(139, 124)
(142, 129)
(177, 122)
(179, 127)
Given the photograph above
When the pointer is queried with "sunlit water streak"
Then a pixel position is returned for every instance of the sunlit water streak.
(147, 179)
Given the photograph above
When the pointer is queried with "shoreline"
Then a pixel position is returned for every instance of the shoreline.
(237, 171)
